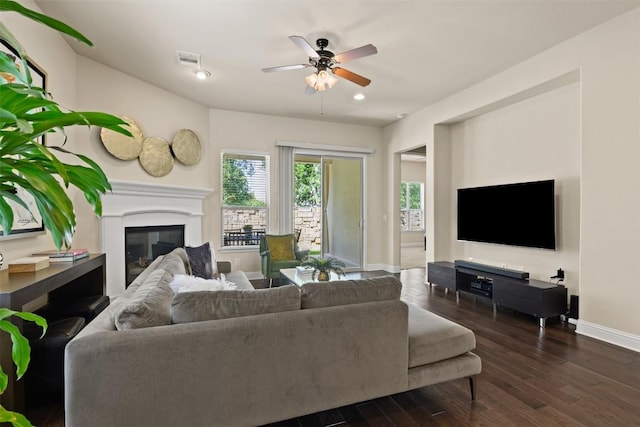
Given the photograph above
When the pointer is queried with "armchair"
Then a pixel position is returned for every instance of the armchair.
(277, 252)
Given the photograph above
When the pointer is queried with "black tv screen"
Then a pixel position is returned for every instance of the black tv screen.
(521, 214)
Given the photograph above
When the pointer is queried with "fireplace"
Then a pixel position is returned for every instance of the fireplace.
(137, 205)
(144, 244)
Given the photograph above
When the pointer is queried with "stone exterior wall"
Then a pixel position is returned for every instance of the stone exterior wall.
(308, 220)
(235, 219)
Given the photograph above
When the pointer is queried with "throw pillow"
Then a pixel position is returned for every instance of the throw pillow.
(281, 247)
(150, 305)
(343, 292)
(212, 305)
(202, 261)
(185, 283)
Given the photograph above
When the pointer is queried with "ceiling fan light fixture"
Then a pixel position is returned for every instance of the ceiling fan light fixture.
(321, 80)
(311, 80)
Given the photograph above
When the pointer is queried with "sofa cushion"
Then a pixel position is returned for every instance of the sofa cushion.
(433, 338)
(175, 262)
(239, 278)
(342, 292)
(202, 261)
(150, 305)
(281, 247)
(212, 305)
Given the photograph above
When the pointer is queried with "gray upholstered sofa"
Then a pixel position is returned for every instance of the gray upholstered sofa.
(313, 348)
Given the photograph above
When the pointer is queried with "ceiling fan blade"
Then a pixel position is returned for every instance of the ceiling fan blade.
(351, 76)
(305, 46)
(356, 53)
(285, 68)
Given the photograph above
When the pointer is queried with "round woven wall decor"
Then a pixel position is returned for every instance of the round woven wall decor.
(155, 157)
(186, 147)
(121, 146)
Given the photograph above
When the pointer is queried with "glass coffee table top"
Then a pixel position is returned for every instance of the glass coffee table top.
(295, 277)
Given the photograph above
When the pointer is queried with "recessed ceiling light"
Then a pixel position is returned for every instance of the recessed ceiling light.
(401, 115)
(358, 96)
(202, 74)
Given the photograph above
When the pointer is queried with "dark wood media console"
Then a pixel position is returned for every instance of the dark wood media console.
(502, 287)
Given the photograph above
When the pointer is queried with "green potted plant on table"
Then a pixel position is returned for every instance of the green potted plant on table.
(323, 266)
(30, 170)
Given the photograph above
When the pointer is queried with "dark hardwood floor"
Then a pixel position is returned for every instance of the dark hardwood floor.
(530, 377)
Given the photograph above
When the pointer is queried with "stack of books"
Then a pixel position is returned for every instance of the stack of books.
(304, 271)
(64, 256)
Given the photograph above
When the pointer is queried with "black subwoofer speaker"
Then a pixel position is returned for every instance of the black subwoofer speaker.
(573, 306)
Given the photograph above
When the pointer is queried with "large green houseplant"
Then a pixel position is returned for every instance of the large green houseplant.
(27, 113)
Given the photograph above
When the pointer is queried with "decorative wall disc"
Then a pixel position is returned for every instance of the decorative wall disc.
(186, 147)
(155, 157)
(121, 146)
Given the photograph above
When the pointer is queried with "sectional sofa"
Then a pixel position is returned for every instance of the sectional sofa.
(249, 357)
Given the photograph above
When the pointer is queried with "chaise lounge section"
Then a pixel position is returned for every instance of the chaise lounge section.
(249, 357)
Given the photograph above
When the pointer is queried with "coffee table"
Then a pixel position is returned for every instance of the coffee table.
(291, 276)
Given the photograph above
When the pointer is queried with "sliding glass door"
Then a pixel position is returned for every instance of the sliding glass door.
(328, 207)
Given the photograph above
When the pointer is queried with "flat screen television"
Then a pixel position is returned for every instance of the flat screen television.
(521, 214)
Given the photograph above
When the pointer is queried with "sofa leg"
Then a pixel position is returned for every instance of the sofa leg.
(472, 388)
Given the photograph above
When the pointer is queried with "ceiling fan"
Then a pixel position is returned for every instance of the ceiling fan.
(324, 61)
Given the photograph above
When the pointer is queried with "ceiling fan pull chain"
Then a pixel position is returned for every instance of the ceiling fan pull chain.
(321, 104)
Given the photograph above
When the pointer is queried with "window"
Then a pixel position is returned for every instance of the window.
(245, 198)
(411, 206)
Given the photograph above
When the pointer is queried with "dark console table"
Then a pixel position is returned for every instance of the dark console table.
(503, 287)
(63, 281)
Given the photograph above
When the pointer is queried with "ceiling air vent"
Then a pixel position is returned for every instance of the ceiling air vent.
(188, 58)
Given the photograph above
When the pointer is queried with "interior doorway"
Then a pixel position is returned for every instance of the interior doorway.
(328, 206)
(412, 194)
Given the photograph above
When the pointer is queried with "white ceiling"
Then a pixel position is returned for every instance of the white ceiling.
(427, 50)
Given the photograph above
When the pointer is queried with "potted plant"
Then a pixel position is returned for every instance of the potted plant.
(28, 167)
(323, 266)
(27, 113)
(21, 354)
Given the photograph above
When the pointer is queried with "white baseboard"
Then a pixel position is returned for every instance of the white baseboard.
(385, 267)
(612, 336)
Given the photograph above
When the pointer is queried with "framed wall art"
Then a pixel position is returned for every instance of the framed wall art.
(26, 222)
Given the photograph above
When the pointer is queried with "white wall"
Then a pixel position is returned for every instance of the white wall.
(606, 64)
(158, 113)
(535, 139)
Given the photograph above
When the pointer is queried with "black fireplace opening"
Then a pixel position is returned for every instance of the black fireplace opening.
(144, 244)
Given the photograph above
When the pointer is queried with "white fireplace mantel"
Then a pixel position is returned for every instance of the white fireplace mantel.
(138, 204)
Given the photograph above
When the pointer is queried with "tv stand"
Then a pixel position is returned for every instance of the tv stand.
(503, 287)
